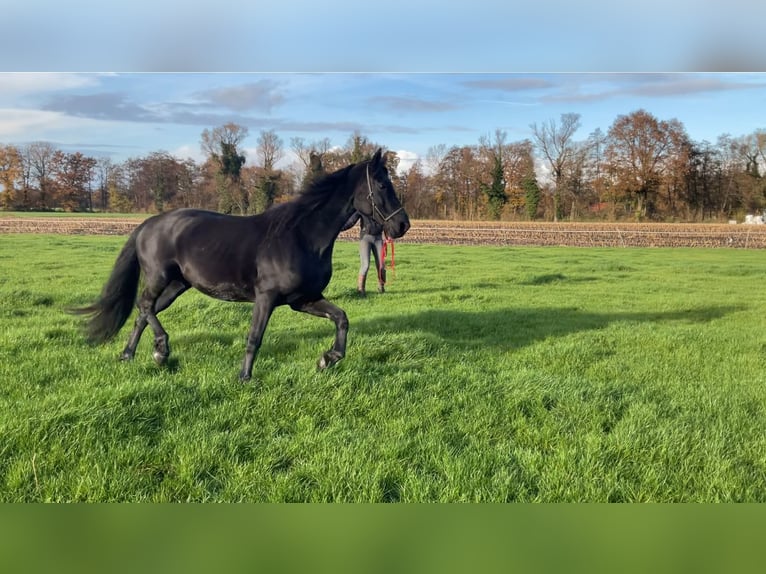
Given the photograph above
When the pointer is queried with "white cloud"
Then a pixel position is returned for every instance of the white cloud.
(406, 160)
(189, 151)
(31, 124)
(18, 83)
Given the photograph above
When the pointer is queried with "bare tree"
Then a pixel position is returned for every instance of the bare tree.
(214, 142)
(40, 158)
(104, 170)
(222, 148)
(304, 150)
(434, 157)
(555, 142)
(270, 149)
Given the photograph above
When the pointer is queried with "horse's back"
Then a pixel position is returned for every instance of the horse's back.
(189, 226)
(205, 248)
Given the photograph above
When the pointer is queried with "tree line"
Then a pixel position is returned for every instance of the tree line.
(642, 168)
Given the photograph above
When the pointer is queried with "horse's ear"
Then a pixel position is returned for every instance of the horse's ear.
(315, 162)
(376, 158)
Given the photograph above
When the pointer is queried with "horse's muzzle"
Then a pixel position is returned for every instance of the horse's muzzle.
(397, 227)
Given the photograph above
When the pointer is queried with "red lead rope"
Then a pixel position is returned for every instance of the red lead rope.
(386, 243)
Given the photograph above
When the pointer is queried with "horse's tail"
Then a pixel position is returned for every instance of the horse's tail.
(113, 307)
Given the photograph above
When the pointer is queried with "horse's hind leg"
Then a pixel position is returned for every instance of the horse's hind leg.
(148, 308)
(323, 308)
(135, 335)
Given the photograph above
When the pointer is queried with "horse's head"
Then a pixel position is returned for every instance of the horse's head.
(376, 198)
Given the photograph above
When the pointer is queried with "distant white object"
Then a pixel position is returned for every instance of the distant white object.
(754, 219)
(732, 222)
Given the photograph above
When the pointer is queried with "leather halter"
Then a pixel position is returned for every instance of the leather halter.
(375, 208)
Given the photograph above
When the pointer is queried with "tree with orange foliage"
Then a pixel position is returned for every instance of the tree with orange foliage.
(10, 171)
(72, 175)
(642, 153)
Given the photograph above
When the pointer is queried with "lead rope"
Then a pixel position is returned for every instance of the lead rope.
(387, 242)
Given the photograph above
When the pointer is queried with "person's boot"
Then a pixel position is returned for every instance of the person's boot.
(360, 285)
(382, 281)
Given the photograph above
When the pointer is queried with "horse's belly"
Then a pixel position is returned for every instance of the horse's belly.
(226, 292)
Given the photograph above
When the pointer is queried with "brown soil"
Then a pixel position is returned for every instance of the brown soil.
(472, 233)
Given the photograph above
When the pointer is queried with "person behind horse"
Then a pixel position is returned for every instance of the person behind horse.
(370, 241)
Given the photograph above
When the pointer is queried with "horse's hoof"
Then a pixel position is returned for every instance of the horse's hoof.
(125, 356)
(328, 359)
(159, 358)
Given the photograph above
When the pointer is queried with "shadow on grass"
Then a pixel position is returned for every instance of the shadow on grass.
(501, 328)
(518, 327)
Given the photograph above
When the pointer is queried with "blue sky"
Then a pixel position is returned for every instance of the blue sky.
(408, 74)
(130, 115)
(389, 36)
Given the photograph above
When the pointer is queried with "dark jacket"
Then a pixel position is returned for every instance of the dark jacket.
(368, 227)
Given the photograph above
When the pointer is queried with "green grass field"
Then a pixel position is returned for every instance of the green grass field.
(483, 374)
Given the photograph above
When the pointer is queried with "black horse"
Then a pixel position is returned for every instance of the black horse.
(282, 256)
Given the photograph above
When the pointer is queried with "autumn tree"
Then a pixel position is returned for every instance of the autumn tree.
(556, 143)
(118, 188)
(190, 191)
(641, 153)
(414, 192)
(154, 182)
(10, 172)
(461, 173)
(72, 174)
(518, 160)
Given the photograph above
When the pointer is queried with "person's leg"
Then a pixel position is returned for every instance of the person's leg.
(365, 245)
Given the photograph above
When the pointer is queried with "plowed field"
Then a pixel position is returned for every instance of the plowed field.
(472, 233)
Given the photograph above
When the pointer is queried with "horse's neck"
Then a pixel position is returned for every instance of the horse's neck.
(323, 226)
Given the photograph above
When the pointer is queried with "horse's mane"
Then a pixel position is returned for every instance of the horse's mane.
(287, 215)
(317, 192)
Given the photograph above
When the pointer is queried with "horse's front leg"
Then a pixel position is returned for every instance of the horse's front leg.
(264, 306)
(323, 308)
